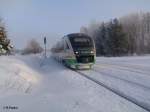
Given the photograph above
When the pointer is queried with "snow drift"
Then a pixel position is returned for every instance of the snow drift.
(16, 75)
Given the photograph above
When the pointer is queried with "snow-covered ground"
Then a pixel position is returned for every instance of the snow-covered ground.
(35, 84)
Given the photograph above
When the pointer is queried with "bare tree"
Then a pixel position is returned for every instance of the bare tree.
(33, 47)
(137, 28)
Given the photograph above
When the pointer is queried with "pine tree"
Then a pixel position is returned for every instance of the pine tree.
(100, 40)
(119, 43)
(109, 39)
(5, 47)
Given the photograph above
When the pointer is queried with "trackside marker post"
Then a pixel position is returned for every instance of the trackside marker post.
(45, 46)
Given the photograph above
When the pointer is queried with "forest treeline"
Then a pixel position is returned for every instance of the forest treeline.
(127, 35)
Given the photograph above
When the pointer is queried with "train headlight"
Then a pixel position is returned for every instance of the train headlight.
(92, 52)
(76, 52)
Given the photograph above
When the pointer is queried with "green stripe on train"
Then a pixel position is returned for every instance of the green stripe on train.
(70, 61)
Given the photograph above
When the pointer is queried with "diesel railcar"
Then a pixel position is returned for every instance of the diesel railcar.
(76, 50)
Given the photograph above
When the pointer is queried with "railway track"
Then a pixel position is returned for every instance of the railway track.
(122, 79)
(126, 68)
(115, 91)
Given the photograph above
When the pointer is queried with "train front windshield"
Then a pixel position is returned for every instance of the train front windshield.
(81, 42)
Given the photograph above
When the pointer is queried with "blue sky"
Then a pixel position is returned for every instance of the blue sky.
(27, 19)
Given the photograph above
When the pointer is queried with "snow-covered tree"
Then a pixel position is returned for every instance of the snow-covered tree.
(5, 46)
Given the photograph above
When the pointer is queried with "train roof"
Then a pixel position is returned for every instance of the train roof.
(76, 34)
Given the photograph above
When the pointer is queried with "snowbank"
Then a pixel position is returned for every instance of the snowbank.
(17, 75)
